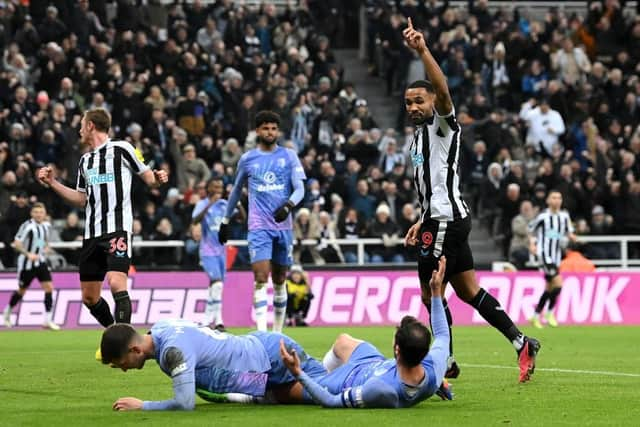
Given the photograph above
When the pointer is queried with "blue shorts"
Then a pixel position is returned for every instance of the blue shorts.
(214, 266)
(363, 354)
(274, 245)
(279, 374)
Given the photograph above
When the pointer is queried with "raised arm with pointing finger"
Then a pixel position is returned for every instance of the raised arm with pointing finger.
(415, 40)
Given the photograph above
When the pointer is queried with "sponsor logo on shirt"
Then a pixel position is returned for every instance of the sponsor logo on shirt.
(417, 159)
(269, 178)
(94, 177)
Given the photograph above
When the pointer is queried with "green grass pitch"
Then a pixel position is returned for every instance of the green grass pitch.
(51, 379)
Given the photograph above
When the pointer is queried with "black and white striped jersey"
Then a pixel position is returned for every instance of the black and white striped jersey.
(435, 153)
(34, 238)
(105, 174)
(550, 228)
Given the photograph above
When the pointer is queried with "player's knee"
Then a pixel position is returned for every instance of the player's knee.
(466, 295)
(342, 340)
(117, 281)
(261, 277)
(22, 291)
(90, 300)
(466, 287)
(344, 346)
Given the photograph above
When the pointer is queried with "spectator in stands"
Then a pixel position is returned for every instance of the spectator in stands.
(363, 202)
(571, 63)
(330, 252)
(189, 168)
(382, 227)
(393, 199)
(390, 156)
(351, 226)
(306, 227)
(163, 256)
(475, 173)
(545, 125)
(574, 260)
(71, 232)
(601, 225)
(491, 192)
(231, 153)
(191, 257)
(519, 246)
(299, 296)
(510, 206)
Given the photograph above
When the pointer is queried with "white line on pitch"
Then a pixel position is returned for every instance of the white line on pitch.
(568, 371)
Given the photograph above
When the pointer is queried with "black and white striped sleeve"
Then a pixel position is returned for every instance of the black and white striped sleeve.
(133, 158)
(22, 233)
(81, 183)
(448, 123)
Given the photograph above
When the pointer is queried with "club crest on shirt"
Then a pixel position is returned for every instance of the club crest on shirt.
(427, 238)
(281, 163)
(417, 159)
(269, 177)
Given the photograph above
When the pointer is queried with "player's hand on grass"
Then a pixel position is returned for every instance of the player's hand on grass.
(414, 38)
(127, 404)
(283, 211)
(290, 359)
(45, 175)
(411, 239)
(223, 233)
(437, 277)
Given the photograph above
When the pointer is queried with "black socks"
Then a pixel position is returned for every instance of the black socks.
(48, 301)
(15, 299)
(123, 307)
(490, 309)
(102, 313)
(553, 297)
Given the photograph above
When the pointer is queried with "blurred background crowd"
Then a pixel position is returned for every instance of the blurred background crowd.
(546, 101)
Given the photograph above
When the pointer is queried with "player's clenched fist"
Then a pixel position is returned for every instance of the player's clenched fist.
(161, 176)
(45, 175)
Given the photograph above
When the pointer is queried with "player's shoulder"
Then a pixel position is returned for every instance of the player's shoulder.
(249, 154)
(200, 203)
(289, 151)
(378, 394)
(120, 143)
(85, 156)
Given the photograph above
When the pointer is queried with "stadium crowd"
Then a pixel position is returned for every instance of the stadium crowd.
(543, 103)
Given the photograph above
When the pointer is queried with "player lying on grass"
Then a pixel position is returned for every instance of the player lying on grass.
(363, 378)
(199, 358)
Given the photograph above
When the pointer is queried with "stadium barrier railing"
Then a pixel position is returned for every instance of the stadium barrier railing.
(361, 244)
